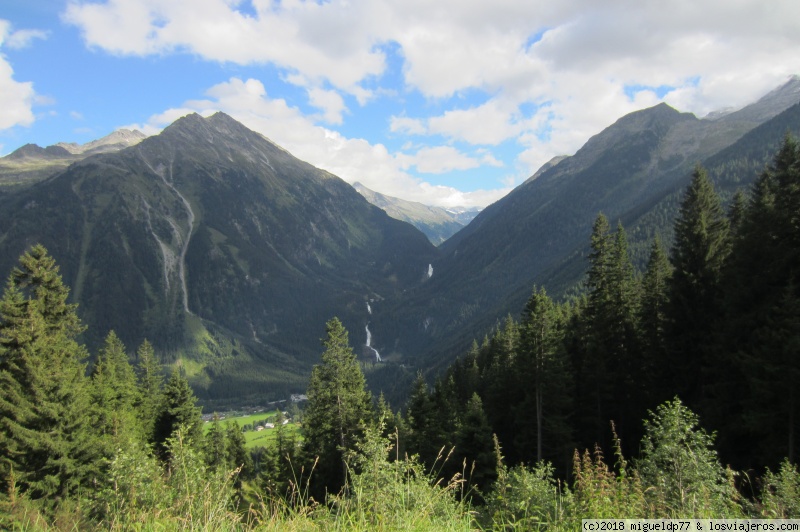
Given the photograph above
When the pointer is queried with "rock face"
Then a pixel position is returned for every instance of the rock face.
(220, 247)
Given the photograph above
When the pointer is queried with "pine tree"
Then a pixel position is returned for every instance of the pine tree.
(45, 441)
(698, 255)
(214, 445)
(652, 323)
(425, 437)
(177, 409)
(542, 367)
(611, 359)
(150, 380)
(474, 445)
(761, 322)
(113, 395)
(338, 406)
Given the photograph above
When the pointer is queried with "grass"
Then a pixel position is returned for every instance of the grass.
(263, 438)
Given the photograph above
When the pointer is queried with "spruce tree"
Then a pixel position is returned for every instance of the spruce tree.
(542, 367)
(338, 406)
(150, 379)
(652, 324)
(113, 396)
(610, 383)
(177, 410)
(698, 255)
(425, 439)
(474, 446)
(46, 445)
(760, 328)
(236, 453)
(214, 445)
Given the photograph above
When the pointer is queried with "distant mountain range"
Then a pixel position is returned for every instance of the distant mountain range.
(437, 223)
(32, 163)
(229, 254)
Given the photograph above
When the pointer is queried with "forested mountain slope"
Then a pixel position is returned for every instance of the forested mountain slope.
(220, 247)
(538, 234)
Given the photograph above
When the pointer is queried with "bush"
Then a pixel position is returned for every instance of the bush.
(680, 470)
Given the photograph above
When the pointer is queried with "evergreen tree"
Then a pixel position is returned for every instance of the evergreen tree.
(149, 379)
(474, 445)
(612, 354)
(277, 471)
(113, 396)
(236, 454)
(214, 445)
(761, 322)
(338, 406)
(700, 250)
(652, 323)
(425, 437)
(177, 409)
(542, 367)
(46, 445)
(501, 384)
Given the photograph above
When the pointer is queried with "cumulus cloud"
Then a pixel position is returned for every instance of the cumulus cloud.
(16, 98)
(23, 38)
(548, 75)
(440, 160)
(351, 159)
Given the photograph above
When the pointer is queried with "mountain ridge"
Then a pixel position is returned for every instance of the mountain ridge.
(437, 223)
(223, 249)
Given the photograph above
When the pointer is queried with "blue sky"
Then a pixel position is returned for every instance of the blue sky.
(450, 102)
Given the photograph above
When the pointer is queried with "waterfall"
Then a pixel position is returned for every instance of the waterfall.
(369, 342)
(430, 271)
(369, 309)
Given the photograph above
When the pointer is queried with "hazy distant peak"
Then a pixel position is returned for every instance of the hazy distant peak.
(115, 141)
(771, 104)
(437, 223)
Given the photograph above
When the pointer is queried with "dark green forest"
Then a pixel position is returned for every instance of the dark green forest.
(666, 393)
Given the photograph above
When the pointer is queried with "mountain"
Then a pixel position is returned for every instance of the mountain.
(32, 163)
(223, 249)
(634, 171)
(115, 141)
(437, 223)
(230, 254)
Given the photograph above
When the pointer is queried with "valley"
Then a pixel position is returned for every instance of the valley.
(228, 253)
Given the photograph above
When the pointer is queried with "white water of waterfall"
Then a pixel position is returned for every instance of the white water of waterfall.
(369, 309)
(369, 341)
(430, 271)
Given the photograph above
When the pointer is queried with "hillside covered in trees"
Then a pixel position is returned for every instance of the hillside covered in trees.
(686, 374)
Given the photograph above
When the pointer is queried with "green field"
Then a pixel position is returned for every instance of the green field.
(263, 438)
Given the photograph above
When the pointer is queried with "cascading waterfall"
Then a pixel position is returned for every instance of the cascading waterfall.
(430, 271)
(369, 341)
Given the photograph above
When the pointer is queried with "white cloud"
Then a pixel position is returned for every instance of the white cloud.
(16, 98)
(546, 74)
(440, 160)
(330, 102)
(24, 38)
(351, 159)
(408, 126)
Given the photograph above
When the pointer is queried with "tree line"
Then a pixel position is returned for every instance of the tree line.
(714, 321)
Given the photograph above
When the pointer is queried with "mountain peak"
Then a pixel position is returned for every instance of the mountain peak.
(771, 104)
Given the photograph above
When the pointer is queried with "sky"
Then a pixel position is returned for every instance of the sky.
(446, 102)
